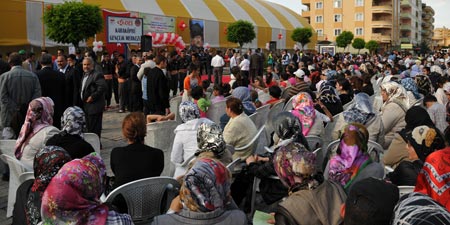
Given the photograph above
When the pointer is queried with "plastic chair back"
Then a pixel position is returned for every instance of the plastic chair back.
(254, 117)
(147, 198)
(403, 190)
(288, 106)
(314, 142)
(216, 110)
(262, 116)
(16, 168)
(160, 135)
(93, 139)
(26, 176)
(174, 105)
(7, 147)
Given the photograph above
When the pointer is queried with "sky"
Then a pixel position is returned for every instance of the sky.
(441, 8)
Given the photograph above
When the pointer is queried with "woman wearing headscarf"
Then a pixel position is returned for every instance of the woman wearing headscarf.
(74, 195)
(421, 141)
(303, 109)
(136, 160)
(419, 209)
(411, 88)
(309, 194)
(361, 111)
(204, 197)
(434, 179)
(36, 130)
(330, 99)
(211, 144)
(243, 94)
(47, 162)
(352, 162)
(398, 151)
(184, 143)
(393, 111)
(71, 137)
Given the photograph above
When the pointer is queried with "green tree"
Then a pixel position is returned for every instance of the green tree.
(302, 35)
(72, 22)
(344, 39)
(359, 44)
(372, 46)
(241, 32)
(424, 48)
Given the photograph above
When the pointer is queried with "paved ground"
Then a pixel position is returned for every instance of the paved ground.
(111, 137)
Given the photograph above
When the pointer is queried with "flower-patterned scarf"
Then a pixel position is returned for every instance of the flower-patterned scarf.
(303, 109)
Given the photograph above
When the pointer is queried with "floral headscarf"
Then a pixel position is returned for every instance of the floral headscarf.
(288, 127)
(434, 178)
(243, 94)
(188, 111)
(206, 186)
(39, 115)
(295, 166)
(73, 121)
(351, 157)
(360, 111)
(210, 139)
(47, 163)
(396, 93)
(410, 85)
(303, 109)
(74, 193)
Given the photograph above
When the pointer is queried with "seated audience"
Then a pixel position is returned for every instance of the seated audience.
(422, 141)
(204, 197)
(47, 162)
(329, 98)
(201, 100)
(352, 163)
(218, 94)
(74, 195)
(184, 145)
(370, 202)
(344, 88)
(275, 94)
(240, 130)
(71, 137)
(303, 109)
(311, 200)
(243, 94)
(419, 209)
(361, 111)
(136, 160)
(254, 95)
(36, 130)
(211, 144)
(437, 112)
(411, 89)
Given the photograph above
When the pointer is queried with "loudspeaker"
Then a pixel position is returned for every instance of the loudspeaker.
(146, 43)
(273, 46)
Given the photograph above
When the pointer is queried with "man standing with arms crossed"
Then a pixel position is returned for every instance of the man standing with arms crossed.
(218, 63)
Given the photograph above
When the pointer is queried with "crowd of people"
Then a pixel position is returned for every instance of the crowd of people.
(396, 100)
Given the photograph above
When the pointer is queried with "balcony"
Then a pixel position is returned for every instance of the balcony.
(381, 37)
(405, 27)
(306, 13)
(406, 3)
(405, 40)
(306, 2)
(382, 9)
(381, 24)
(405, 15)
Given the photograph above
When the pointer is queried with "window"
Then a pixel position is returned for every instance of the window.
(319, 5)
(359, 17)
(337, 4)
(337, 18)
(337, 32)
(359, 31)
(359, 3)
(319, 32)
(319, 19)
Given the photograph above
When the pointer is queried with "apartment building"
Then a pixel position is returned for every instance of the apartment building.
(411, 22)
(368, 19)
(441, 38)
(427, 24)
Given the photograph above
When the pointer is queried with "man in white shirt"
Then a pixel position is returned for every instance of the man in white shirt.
(245, 67)
(148, 63)
(218, 63)
(233, 60)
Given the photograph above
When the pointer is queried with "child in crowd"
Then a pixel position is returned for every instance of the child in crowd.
(201, 100)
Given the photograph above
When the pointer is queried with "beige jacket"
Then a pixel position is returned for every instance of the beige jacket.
(393, 117)
(396, 153)
(238, 132)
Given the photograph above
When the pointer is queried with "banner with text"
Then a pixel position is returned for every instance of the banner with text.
(158, 24)
(124, 29)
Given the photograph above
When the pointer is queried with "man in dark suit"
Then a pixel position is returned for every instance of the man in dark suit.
(158, 88)
(93, 88)
(52, 85)
(74, 76)
(255, 59)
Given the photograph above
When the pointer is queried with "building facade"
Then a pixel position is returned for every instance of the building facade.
(411, 22)
(427, 24)
(377, 20)
(441, 38)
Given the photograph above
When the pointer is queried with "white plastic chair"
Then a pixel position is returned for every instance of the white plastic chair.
(345, 107)
(216, 110)
(403, 190)
(254, 117)
(147, 198)
(329, 128)
(93, 139)
(160, 135)
(262, 116)
(252, 142)
(314, 142)
(174, 105)
(288, 106)
(232, 166)
(16, 168)
(7, 147)
(26, 176)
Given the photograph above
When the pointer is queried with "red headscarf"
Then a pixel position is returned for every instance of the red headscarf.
(434, 178)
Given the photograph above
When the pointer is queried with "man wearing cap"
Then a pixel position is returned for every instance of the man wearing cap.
(300, 85)
(17, 88)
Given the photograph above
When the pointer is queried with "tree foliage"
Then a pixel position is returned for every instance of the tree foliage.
(302, 35)
(72, 22)
(359, 44)
(344, 39)
(241, 32)
(372, 46)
